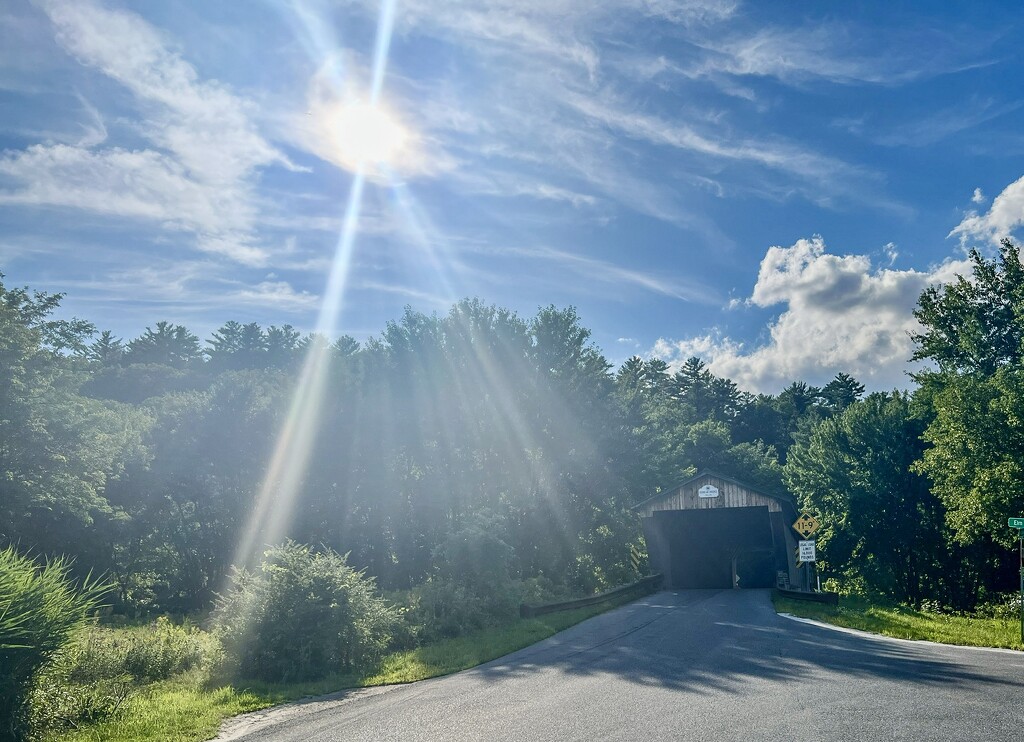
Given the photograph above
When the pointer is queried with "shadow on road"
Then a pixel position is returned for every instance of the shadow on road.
(702, 641)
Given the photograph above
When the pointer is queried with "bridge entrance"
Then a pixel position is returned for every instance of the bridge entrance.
(714, 532)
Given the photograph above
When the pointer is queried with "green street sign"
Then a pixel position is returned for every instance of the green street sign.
(1016, 522)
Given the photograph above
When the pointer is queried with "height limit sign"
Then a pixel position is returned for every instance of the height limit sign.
(807, 552)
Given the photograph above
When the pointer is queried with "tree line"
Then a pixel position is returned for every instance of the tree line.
(142, 459)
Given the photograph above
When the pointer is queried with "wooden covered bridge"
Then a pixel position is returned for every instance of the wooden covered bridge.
(712, 531)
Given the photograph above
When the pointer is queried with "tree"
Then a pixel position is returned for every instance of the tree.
(235, 347)
(282, 345)
(972, 331)
(975, 326)
(976, 458)
(106, 350)
(881, 526)
(841, 392)
(57, 449)
(167, 345)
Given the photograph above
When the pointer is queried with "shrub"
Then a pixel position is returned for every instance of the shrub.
(471, 587)
(40, 607)
(541, 589)
(58, 704)
(1004, 606)
(445, 608)
(303, 615)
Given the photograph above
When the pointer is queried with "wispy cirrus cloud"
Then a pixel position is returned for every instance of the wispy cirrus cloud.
(604, 272)
(197, 174)
(559, 109)
(946, 122)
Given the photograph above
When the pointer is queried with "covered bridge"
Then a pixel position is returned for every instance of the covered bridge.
(712, 531)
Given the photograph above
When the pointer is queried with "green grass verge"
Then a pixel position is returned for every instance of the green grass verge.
(903, 622)
(183, 711)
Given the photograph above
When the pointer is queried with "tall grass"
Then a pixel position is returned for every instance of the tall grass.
(40, 608)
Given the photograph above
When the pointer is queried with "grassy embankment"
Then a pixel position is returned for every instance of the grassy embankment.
(182, 709)
(903, 622)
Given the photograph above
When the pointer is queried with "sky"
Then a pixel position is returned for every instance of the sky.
(768, 186)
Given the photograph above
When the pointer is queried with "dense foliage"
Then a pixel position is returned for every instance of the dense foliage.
(143, 459)
(883, 529)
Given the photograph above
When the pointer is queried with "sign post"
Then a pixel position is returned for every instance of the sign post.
(807, 525)
(1018, 523)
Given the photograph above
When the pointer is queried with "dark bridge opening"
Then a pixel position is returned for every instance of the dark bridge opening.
(702, 548)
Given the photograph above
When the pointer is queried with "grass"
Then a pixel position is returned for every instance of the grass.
(904, 622)
(181, 710)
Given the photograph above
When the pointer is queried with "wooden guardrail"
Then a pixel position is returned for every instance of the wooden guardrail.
(647, 584)
(822, 597)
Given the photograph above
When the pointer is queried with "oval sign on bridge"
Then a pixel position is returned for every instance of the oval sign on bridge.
(1016, 522)
(708, 490)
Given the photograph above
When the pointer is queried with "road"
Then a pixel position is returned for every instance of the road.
(687, 665)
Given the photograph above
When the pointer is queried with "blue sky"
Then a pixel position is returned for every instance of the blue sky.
(769, 186)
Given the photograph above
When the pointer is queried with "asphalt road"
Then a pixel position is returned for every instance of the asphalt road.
(688, 665)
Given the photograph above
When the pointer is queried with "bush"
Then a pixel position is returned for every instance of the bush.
(443, 608)
(541, 589)
(40, 607)
(471, 587)
(302, 616)
(1005, 607)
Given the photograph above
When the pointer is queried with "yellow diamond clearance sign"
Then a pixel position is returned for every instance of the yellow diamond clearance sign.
(806, 525)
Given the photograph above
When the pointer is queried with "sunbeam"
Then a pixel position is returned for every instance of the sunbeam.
(274, 507)
(493, 369)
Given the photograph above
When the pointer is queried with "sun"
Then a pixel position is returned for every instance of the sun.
(366, 134)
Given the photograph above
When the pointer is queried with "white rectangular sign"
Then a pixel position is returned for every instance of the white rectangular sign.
(708, 490)
(807, 551)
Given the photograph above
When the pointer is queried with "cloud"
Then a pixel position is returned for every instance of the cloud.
(142, 184)
(602, 271)
(198, 176)
(963, 116)
(782, 156)
(1005, 215)
(94, 131)
(543, 97)
(978, 197)
(510, 184)
(833, 52)
(278, 295)
(417, 295)
(842, 314)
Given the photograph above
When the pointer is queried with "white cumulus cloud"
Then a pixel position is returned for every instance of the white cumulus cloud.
(1005, 215)
(842, 314)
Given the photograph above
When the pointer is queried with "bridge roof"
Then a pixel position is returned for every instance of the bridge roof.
(704, 473)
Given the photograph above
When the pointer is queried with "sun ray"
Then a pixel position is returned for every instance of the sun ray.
(274, 507)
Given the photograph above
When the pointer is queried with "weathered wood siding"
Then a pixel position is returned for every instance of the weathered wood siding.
(730, 495)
